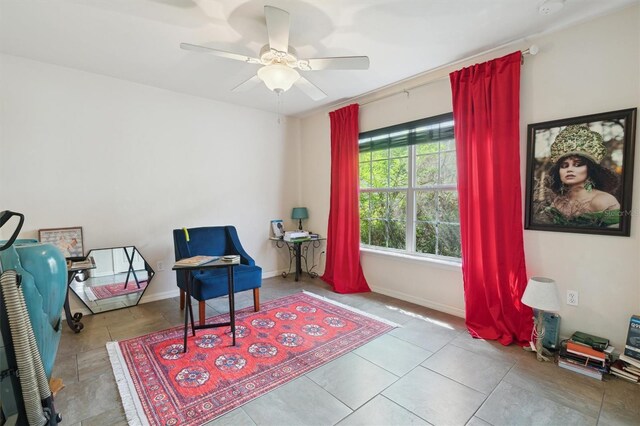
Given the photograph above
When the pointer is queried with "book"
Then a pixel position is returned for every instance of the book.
(580, 359)
(619, 367)
(624, 377)
(598, 343)
(584, 350)
(195, 260)
(632, 346)
(296, 236)
(277, 227)
(632, 361)
(631, 369)
(586, 371)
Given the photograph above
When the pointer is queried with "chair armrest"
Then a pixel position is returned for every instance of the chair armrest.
(232, 234)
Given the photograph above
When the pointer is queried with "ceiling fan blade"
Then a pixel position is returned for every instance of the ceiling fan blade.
(247, 84)
(221, 53)
(337, 63)
(310, 89)
(277, 28)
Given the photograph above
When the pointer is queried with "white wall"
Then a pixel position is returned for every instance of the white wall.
(129, 163)
(589, 68)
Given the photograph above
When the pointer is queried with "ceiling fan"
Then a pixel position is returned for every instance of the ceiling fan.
(279, 61)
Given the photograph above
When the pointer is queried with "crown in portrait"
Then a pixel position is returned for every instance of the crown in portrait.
(578, 140)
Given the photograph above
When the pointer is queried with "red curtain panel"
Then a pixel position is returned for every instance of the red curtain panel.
(343, 270)
(486, 102)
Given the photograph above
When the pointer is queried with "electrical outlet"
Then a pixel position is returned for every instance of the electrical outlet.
(572, 297)
(160, 266)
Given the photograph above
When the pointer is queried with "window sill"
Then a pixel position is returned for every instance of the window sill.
(450, 265)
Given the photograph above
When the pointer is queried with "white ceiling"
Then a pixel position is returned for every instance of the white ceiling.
(138, 40)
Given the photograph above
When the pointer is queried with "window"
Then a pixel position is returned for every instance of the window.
(408, 196)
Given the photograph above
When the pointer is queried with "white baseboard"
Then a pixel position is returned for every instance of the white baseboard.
(271, 274)
(175, 292)
(419, 301)
(160, 296)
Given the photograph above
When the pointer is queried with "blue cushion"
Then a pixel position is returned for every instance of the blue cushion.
(215, 241)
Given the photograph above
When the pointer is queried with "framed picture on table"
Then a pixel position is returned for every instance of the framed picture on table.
(277, 228)
(68, 240)
(580, 174)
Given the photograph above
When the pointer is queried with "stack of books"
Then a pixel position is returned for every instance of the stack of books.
(585, 359)
(628, 366)
(296, 236)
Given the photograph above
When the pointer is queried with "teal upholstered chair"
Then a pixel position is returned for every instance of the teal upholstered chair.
(212, 283)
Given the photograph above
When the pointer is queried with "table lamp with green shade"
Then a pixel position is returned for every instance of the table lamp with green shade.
(299, 213)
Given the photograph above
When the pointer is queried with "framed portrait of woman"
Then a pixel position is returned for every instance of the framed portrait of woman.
(580, 174)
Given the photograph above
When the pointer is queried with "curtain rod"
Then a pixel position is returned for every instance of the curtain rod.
(531, 50)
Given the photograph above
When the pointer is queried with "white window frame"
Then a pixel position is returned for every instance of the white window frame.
(411, 189)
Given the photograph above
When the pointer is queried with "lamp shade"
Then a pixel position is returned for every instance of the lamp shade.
(278, 77)
(299, 213)
(542, 294)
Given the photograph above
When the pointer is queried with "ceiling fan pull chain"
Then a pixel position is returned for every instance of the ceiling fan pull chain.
(278, 108)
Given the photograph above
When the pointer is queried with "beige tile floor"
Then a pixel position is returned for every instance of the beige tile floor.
(429, 371)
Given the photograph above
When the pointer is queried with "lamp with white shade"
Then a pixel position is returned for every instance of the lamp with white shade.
(541, 294)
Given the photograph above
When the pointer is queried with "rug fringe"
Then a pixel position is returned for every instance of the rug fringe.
(130, 400)
(352, 309)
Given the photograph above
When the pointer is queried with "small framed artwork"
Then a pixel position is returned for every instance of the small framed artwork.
(68, 240)
(277, 228)
(580, 174)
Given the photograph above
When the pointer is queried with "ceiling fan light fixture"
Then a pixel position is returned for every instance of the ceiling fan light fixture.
(278, 77)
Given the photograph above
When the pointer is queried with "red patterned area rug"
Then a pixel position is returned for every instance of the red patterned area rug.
(113, 290)
(161, 385)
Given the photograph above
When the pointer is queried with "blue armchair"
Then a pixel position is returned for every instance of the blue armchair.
(212, 283)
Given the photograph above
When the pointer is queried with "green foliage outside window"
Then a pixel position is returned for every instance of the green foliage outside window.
(408, 198)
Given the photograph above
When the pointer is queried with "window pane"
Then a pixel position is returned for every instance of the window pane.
(398, 205)
(426, 169)
(365, 175)
(397, 234)
(380, 170)
(378, 233)
(378, 205)
(427, 148)
(364, 206)
(448, 206)
(448, 167)
(384, 214)
(399, 152)
(448, 145)
(449, 240)
(398, 172)
(381, 154)
(425, 237)
(364, 231)
(426, 206)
